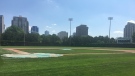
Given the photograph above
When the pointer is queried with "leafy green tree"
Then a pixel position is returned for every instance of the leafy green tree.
(65, 41)
(55, 40)
(50, 40)
(32, 37)
(75, 41)
(13, 34)
(113, 41)
(133, 38)
(46, 40)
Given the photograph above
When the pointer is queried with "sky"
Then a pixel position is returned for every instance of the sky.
(52, 15)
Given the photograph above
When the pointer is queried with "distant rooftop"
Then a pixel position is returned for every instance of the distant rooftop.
(131, 21)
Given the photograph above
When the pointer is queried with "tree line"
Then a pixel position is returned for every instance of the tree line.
(15, 36)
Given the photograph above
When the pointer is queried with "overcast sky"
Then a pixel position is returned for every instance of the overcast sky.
(52, 15)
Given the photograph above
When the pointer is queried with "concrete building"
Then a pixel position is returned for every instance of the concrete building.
(21, 22)
(82, 30)
(34, 29)
(2, 26)
(62, 34)
(121, 40)
(129, 30)
(47, 33)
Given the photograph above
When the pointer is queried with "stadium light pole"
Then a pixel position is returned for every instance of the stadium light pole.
(70, 20)
(110, 18)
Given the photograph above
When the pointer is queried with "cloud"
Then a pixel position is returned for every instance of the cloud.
(53, 4)
(118, 32)
(131, 21)
(53, 31)
(54, 24)
(48, 27)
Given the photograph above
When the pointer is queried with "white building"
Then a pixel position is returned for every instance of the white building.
(21, 22)
(46, 33)
(121, 40)
(2, 26)
(62, 34)
(129, 30)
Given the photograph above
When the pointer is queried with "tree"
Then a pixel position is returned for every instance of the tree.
(13, 34)
(133, 38)
(65, 41)
(46, 40)
(55, 40)
(113, 41)
(33, 37)
(50, 40)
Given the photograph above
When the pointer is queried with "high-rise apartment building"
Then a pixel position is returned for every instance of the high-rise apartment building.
(46, 33)
(82, 30)
(34, 29)
(129, 30)
(62, 34)
(2, 26)
(21, 22)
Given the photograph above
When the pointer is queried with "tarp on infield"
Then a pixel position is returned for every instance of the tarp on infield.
(32, 55)
(66, 49)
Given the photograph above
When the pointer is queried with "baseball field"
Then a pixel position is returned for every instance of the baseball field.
(76, 61)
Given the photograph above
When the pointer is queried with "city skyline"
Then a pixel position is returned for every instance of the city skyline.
(52, 15)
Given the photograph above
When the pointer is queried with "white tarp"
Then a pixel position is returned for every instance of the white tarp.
(32, 55)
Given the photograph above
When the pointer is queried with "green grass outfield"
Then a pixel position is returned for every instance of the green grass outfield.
(122, 64)
(72, 51)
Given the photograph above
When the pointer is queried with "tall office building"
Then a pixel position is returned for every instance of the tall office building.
(46, 33)
(2, 26)
(21, 22)
(34, 29)
(129, 30)
(62, 34)
(82, 30)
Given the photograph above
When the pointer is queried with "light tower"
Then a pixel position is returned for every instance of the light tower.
(70, 19)
(110, 18)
